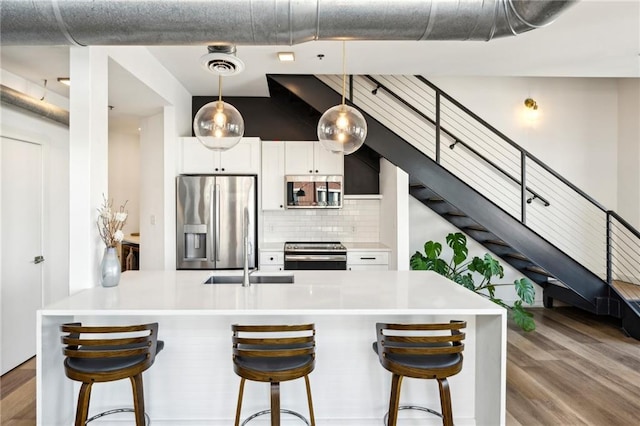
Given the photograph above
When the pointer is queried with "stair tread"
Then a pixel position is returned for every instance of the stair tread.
(455, 213)
(497, 242)
(518, 256)
(538, 270)
(476, 228)
(629, 291)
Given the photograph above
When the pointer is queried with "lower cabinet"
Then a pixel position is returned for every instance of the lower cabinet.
(271, 260)
(367, 260)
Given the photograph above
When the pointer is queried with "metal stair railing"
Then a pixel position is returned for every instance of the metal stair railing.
(501, 170)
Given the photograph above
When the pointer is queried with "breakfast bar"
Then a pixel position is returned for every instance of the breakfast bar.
(193, 383)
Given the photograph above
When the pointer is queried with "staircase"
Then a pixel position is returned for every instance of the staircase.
(514, 230)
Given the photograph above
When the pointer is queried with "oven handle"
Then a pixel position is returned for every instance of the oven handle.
(315, 257)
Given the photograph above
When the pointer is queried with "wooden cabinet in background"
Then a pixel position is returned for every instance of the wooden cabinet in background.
(129, 255)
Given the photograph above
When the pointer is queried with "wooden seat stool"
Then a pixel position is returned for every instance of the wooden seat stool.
(112, 353)
(422, 351)
(274, 354)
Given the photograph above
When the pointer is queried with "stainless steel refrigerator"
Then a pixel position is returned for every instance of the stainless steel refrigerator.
(211, 221)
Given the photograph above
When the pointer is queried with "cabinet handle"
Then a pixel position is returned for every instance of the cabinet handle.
(367, 258)
(281, 206)
(310, 171)
(223, 169)
(316, 171)
(216, 169)
(271, 258)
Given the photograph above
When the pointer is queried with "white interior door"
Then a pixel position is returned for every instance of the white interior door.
(21, 230)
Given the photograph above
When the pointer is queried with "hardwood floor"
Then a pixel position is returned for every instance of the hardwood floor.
(575, 369)
(18, 395)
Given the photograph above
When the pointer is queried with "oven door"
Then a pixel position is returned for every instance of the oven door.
(306, 261)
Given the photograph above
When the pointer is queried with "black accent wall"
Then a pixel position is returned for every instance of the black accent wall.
(285, 117)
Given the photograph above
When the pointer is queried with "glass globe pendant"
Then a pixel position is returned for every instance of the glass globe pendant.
(218, 125)
(342, 128)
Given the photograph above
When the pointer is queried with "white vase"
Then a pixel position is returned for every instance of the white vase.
(110, 268)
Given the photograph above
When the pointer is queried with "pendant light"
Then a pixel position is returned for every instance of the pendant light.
(342, 128)
(218, 125)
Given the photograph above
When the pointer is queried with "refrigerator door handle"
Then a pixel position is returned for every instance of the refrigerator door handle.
(212, 234)
(217, 223)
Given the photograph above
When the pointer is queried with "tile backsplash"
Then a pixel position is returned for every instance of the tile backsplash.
(357, 221)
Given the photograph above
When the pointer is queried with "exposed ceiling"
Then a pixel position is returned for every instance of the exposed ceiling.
(594, 38)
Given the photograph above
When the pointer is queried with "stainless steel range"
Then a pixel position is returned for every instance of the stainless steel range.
(315, 255)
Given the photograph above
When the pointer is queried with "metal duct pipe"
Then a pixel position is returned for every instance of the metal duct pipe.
(265, 22)
(26, 102)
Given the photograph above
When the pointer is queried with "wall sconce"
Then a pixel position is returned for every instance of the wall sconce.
(531, 104)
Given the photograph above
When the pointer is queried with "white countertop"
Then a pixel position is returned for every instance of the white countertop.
(317, 292)
(366, 247)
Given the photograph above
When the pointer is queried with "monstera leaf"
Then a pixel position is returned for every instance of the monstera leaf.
(488, 267)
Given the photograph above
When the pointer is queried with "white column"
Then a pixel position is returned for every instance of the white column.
(394, 214)
(88, 162)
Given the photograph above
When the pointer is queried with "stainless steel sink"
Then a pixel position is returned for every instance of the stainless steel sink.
(253, 279)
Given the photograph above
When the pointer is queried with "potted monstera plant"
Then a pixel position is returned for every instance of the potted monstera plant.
(464, 271)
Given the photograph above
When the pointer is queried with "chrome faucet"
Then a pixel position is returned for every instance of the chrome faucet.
(245, 237)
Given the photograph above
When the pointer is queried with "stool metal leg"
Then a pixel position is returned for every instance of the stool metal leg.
(411, 407)
(116, 411)
(282, 410)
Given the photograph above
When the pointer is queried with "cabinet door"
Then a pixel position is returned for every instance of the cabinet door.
(299, 158)
(327, 162)
(273, 186)
(196, 158)
(242, 158)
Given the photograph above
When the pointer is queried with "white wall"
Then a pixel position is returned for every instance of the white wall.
(576, 132)
(152, 193)
(124, 170)
(426, 225)
(54, 138)
(629, 150)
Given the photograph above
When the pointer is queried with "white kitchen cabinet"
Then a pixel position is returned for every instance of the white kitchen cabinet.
(244, 158)
(271, 260)
(272, 174)
(302, 158)
(367, 260)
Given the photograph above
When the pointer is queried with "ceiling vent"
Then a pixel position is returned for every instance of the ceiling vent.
(222, 60)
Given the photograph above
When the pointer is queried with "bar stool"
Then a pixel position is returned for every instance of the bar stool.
(274, 354)
(422, 351)
(104, 358)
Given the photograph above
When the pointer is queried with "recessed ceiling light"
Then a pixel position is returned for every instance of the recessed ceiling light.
(286, 56)
(65, 80)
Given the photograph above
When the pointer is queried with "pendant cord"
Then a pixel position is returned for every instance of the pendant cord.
(219, 87)
(344, 70)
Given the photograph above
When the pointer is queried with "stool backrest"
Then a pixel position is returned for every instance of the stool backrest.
(102, 342)
(258, 341)
(431, 339)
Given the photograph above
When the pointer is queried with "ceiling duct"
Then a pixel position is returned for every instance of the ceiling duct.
(265, 22)
(33, 105)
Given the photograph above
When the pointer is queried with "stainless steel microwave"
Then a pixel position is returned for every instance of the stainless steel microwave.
(314, 191)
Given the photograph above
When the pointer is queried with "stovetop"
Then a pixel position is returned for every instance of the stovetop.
(305, 246)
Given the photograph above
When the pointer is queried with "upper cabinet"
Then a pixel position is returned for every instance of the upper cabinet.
(302, 158)
(244, 158)
(272, 175)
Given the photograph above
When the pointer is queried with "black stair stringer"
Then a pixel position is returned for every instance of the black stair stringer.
(580, 280)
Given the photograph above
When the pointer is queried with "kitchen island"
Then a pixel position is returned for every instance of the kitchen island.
(192, 381)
